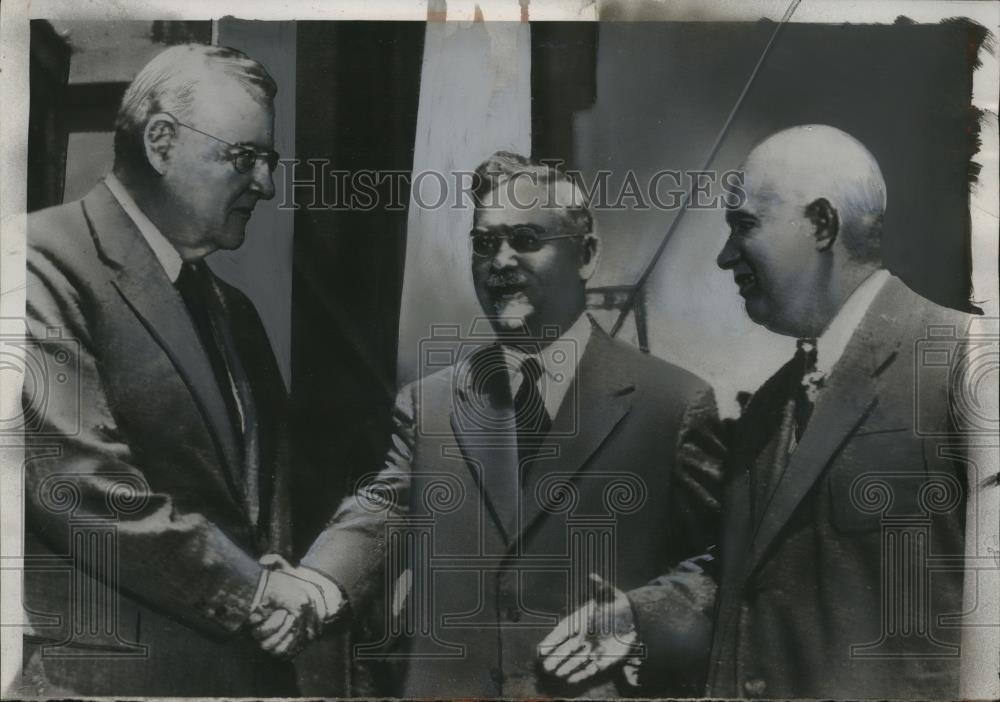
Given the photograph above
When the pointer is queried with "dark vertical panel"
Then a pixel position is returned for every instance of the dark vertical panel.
(356, 110)
(563, 82)
(357, 90)
(47, 133)
(92, 107)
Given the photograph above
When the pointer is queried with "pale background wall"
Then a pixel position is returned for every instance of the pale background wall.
(475, 99)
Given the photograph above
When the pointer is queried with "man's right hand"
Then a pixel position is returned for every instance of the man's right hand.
(290, 612)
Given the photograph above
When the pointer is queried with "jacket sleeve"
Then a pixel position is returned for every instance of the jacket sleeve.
(674, 623)
(79, 467)
(696, 484)
(674, 612)
(351, 550)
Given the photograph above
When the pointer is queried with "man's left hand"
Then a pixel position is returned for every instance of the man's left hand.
(599, 635)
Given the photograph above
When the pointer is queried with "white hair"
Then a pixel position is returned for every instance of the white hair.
(168, 84)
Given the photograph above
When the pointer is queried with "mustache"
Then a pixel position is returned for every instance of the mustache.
(505, 279)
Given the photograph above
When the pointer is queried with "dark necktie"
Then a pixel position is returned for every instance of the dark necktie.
(788, 406)
(208, 312)
(195, 288)
(530, 416)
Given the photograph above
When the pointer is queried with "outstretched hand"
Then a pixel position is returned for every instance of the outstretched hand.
(597, 636)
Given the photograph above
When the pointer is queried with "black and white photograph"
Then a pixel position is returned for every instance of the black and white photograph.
(511, 349)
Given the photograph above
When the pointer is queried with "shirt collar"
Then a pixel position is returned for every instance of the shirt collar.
(559, 363)
(830, 346)
(164, 251)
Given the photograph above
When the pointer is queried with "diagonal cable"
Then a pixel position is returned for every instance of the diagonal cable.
(636, 288)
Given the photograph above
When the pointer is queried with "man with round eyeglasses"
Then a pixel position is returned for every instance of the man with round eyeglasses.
(536, 484)
(169, 393)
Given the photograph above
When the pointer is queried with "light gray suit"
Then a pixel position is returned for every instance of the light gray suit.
(625, 486)
(135, 443)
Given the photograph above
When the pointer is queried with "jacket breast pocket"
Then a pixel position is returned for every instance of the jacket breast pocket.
(878, 476)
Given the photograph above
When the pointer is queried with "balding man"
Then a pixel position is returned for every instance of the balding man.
(838, 487)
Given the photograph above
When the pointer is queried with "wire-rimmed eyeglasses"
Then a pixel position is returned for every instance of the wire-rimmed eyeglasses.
(243, 157)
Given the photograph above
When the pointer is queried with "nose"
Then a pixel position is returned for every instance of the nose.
(729, 255)
(505, 257)
(263, 181)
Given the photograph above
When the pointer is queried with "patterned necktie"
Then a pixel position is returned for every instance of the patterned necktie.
(531, 418)
(811, 381)
(789, 398)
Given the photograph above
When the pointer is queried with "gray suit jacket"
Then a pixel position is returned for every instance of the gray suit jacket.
(847, 581)
(134, 473)
(625, 487)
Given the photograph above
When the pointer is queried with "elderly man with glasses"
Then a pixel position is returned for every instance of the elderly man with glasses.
(155, 475)
(536, 482)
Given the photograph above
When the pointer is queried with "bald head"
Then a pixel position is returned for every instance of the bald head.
(816, 162)
(809, 230)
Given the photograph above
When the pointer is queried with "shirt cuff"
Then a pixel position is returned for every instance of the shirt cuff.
(258, 595)
(333, 595)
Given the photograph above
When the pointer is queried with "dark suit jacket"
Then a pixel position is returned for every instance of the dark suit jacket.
(824, 591)
(626, 487)
(133, 450)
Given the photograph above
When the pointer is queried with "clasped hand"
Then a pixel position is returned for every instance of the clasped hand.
(294, 605)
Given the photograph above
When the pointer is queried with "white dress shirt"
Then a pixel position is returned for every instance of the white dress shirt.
(831, 344)
(559, 361)
(164, 251)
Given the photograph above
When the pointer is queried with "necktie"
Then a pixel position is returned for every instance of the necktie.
(530, 416)
(208, 312)
(787, 404)
(195, 288)
(810, 383)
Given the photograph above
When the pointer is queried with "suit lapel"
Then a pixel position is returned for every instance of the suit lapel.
(143, 284)
(850, 396)
(599, 399)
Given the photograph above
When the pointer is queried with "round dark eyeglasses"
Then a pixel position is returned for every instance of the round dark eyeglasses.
(523, 239)
(243, 158)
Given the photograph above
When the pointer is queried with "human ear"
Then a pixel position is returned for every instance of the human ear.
(825, 221)
(158, 139)
(590, 255)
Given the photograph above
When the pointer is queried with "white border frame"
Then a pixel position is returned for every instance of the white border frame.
(980, 675)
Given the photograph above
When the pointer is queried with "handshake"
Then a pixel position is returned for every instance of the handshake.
(291, 606)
